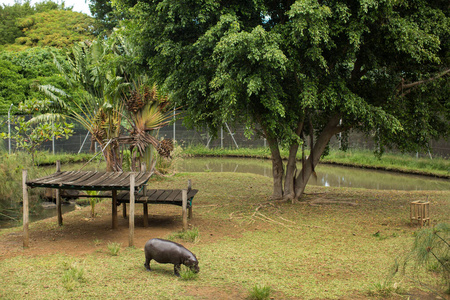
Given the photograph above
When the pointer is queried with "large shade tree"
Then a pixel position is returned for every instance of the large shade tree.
(300, 72)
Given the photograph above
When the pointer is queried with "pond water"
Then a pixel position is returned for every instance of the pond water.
(327, 175)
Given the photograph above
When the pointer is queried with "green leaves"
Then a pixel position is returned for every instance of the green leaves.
(31, 134)
(249, 65)
(56, 28)
(274, 64)
(410, 39)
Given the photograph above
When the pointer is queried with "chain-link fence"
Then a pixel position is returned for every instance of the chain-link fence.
(227, 137)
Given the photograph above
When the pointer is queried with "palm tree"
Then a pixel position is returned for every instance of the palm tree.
(147, 113)
(97, 71)
(91, 67)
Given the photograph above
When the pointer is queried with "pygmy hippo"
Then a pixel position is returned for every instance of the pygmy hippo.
(167, 252)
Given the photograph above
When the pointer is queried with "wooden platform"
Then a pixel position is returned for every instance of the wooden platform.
(91, 180)
(158, 197)
(173, 197)
(134, 183)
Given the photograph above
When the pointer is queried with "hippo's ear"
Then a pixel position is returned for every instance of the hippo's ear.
(191, 261)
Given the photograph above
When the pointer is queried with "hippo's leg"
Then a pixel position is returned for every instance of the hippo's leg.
(147, 263)
(176, 270)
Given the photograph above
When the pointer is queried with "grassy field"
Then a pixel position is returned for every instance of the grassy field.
(299, 251)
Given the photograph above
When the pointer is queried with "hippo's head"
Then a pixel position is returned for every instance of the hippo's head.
(192, 263)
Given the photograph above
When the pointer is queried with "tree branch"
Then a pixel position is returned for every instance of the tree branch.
(405, 89)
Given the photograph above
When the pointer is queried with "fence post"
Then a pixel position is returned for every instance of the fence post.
(9, 129)
(26, 235)
(53, 138)
(221, 137)
(174, 124)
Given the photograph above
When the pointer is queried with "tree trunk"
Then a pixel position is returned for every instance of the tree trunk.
(92, 146)
(331, 129)
(277, 166)
(109, 161)
(291, 167)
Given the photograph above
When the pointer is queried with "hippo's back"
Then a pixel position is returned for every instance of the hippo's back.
(164, 251)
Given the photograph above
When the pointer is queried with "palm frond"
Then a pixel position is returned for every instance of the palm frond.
(52, 93)
(48, 117)
(62, 71)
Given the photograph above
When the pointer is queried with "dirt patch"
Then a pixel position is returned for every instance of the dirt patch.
(82, 234)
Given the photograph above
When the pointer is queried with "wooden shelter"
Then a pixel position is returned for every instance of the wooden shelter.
(132, 185)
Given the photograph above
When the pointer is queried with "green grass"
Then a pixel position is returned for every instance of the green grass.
(391, 162)
(187, 274)
(260, 292)
(191, 235)
(72, 277)
(299, 251)
(113, 248)
(47, 158)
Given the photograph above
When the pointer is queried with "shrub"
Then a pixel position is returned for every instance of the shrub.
(113, 248)
(72, 277)
(259, 292)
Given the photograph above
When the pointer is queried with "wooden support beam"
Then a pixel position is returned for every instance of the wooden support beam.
(131, 219)
(124, 210)
(144, 193)
(145, 214)
(115, 219)
(58, 206)
(58, 197)
(190, 207)
(26, 235)
(184, 207)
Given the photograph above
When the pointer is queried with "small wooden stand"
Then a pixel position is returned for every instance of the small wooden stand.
(420, 212)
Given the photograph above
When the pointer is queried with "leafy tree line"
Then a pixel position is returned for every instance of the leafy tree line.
(22, 71)
(300, 72)
(46, 23)
(9, 30)
(31, 37)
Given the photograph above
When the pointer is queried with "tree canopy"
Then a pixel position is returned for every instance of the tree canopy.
(291, 69)
(23, 70)
(9, 14)
(30, 38)
(105, 14)
(55, 28)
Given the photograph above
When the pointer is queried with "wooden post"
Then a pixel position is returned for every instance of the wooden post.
(115, 220)
(145, 214)
(58, 197)
(190, 207)
(131, 219)
(26, 235)
(184, 205)
(124, 210)
(144, 193)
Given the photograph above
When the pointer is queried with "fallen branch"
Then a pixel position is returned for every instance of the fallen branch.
(286, 220)
(320, 201)
(267, 219)
(230, 216)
